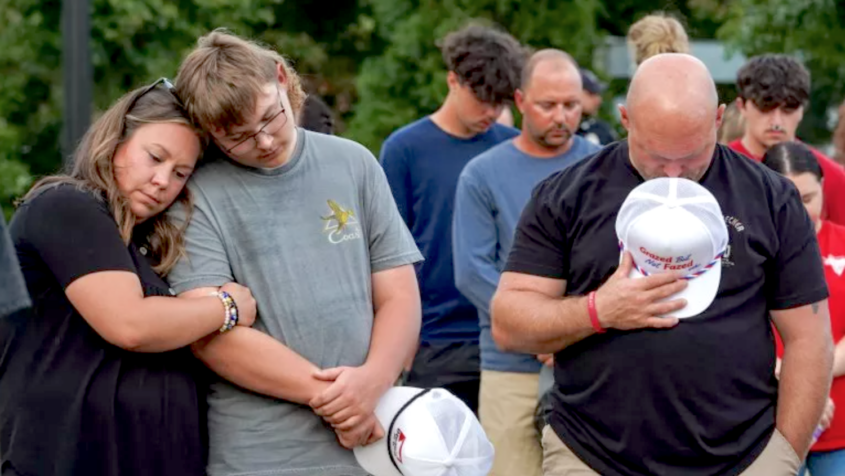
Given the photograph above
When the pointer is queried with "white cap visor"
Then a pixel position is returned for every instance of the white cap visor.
(375, 458)
(699, 293)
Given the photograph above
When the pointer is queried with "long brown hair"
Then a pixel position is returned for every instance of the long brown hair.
(92, 169)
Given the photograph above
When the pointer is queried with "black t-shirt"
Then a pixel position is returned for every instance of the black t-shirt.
(70, 402)
(698, 399)
(13, 297)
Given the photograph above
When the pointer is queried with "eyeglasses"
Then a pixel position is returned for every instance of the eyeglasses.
(167, 84)
(270, 128)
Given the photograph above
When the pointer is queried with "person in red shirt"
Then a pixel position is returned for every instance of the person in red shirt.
(772, 93)
(799, 164)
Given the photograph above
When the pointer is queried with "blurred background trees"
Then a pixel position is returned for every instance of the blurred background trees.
(375, 62)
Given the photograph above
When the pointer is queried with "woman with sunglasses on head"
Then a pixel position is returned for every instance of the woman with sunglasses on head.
(99, 378)
(799, 164)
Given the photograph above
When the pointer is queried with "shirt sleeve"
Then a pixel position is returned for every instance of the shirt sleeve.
(394, 160)
(74, 234)
(391, 244)
(205, 263)
(14, 296)
(475, 240)
(795, 277)
(540, 246)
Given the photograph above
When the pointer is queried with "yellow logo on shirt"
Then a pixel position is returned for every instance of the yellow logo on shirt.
(341, 225)
(339, 215)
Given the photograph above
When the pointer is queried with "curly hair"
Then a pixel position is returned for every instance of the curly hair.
(655, 34)
(771, 81)
(487, 60)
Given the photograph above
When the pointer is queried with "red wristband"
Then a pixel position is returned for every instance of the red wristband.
(594, 314)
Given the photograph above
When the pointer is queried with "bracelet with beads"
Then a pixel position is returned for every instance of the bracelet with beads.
(230, 319)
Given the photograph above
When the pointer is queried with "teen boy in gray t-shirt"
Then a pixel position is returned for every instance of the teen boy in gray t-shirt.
(308, 223)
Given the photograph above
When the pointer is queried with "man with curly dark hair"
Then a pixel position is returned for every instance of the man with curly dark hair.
(772, 92)
(423, 161)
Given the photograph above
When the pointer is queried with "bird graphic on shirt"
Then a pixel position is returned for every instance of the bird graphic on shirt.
(339, 215)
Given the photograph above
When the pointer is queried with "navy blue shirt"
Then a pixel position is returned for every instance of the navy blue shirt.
(422, 163)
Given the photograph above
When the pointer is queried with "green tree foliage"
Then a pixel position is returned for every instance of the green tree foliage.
(408, 79)
(374, 61)
(810, 29)
(136, 41)
(27, 96)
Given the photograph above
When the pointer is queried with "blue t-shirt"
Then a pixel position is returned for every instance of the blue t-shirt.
(492, 191)
(422, 164)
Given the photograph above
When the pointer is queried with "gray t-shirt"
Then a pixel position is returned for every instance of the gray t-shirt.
(305, 238)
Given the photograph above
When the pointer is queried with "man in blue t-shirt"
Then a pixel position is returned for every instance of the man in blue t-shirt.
(492, 191)
(422, 162)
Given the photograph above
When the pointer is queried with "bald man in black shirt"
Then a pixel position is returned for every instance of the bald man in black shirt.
(637, 393)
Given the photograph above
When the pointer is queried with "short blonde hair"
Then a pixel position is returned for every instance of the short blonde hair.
(655, 34)
(221, 79)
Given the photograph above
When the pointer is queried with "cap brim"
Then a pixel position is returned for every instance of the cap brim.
(699, 293)
(375, 458)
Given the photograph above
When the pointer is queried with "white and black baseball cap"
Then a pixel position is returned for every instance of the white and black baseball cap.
(675, 224)
(427, 433)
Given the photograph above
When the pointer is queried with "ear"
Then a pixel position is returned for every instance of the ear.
(623, 118)
(282, 75)
(720, 115)
(740, 105)
(452, 81)
(519, 101)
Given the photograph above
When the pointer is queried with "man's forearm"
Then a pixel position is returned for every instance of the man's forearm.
(258, 362)
(396, 332)
(531, 322)
(839, 359)
(803, 390)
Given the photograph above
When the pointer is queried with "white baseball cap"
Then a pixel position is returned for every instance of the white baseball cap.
(675, 224)
(427, 433)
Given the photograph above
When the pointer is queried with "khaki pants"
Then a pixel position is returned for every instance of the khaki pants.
(506, 409)
(777, 459)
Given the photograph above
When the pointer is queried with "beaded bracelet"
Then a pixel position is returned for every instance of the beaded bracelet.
(231, 318)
